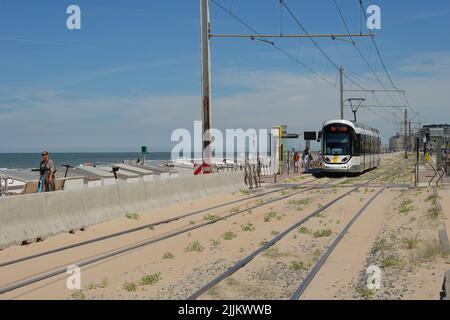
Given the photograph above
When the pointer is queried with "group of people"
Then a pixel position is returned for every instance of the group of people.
(306, 160)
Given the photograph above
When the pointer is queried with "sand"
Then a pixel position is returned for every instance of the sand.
(168, 270)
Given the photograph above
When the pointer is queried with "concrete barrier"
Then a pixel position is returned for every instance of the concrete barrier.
(18, 218)
(26, 218)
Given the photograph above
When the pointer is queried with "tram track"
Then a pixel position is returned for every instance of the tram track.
(316, 268)
(103, 256)
(40, 276)
(154, 224)
(243, 262)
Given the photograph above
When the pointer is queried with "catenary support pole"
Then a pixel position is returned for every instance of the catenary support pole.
(406, 134)
(341, 77)
(206, 84)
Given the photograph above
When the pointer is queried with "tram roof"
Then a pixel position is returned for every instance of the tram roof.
(357, 126)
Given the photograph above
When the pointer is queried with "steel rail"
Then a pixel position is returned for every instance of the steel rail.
(313, 272)
(240, 264)
(46, 275)
(132, 230)
(310, 276)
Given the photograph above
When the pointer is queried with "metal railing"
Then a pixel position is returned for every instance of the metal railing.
(4, 181)
(438, 171)
(253, 172)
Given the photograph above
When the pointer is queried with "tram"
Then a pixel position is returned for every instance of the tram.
(349, 147)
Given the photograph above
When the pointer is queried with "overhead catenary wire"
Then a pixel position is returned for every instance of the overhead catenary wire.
(246, 25)
(374, 45)
(355, 46)
(380, 115)
(295, 57)
(327, 57)
(377, 50)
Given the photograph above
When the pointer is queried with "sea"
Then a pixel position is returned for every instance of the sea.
(32, 160)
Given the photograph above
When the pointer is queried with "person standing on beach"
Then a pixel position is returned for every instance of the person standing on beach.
(47, 170)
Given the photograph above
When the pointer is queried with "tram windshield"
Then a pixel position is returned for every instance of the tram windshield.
(337, 143)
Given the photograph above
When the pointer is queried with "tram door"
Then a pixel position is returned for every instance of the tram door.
(364, 149)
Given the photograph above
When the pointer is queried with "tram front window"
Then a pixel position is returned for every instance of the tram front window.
(337, 144)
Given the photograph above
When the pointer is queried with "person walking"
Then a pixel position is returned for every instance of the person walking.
(319, 159)
(306, 159)
(296, 161)
(47, 171)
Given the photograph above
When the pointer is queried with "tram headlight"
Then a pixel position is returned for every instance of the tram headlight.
(326, 159)
(345, 160)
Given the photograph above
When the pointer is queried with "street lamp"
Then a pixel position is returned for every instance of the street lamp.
(355, 103)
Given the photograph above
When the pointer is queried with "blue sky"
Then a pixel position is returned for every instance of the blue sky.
(131, 74)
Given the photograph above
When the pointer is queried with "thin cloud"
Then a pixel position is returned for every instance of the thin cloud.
(41, 42)
(426, 16)
(303, 102)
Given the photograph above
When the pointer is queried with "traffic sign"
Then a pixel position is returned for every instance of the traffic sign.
(206, 168)
(200, 168)
(197, 169)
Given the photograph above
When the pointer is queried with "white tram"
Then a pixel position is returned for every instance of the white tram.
(349, 147)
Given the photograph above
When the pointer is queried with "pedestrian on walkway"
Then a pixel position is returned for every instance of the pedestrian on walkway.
(320, 159)
(296, 162)
(47, 171)
(306, 159)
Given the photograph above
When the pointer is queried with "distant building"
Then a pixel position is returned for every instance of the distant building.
(427, 129)
(397, 143)
(430, 132)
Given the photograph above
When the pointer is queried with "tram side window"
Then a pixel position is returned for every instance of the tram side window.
(364, 144)
(357, 150)
(372, 145)
(367, 144)
(363, 149)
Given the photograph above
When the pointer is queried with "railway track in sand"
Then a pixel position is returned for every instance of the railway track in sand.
(61, 268)
(314, 269)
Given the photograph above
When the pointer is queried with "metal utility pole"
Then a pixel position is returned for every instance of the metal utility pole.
(410, 135)
(341, 76)
(406, 134)
(206, 84)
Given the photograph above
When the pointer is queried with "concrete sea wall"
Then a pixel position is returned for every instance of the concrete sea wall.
(37, 216)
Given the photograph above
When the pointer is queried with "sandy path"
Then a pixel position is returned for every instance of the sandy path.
(380, 237)
(276, 273)
(348, 259)
(407, 251)
(444, 194)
